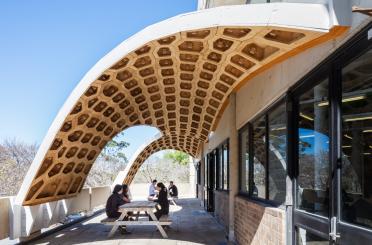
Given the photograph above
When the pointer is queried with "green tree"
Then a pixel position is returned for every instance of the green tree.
(178, 157)
(113, 149)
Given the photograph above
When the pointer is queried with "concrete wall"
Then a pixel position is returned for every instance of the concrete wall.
(201, 193)
(222, 131)
(221, 209)
(25, 220)
(258, 224)
(4, 216)
(253, 222)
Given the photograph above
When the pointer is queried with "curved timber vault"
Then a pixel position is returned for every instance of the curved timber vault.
(175, 75)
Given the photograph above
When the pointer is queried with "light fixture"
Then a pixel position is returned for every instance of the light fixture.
(367, 153)
(347, 136)
(346, 146)
(358, 119)
(306, 117)
(325, 103)
(361, 97)
(278, 129)
(367, 131)
(344, 100)
(307, 136)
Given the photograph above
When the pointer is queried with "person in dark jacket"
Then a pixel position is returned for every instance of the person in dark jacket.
(173, 191)
(162, 200)
(112, 206)
(114, 202)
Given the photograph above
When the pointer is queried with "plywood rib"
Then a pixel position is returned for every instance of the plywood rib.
(178, 83)
(163, 143)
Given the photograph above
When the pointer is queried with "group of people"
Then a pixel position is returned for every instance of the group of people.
(158, 192)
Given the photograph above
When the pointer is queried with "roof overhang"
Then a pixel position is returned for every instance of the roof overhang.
(175, 75)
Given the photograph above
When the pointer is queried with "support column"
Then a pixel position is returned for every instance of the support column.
(203, 180)
(192, 177)
(234, 164)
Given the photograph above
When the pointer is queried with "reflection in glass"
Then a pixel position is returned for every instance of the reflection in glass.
(244, 160)
(220, 169)
(259, 158)
(277, 153)
(356, 142)
(225, 150)
(313, 150)
(304, 237)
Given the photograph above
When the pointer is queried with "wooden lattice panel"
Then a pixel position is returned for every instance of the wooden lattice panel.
(178, 84)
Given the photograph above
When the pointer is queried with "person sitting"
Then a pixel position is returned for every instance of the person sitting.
(152, 188)
(162, 200)
(113, 203)
(126, 194)
(173, 191)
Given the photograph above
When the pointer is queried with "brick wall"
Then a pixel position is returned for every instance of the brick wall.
(221, 207)
(255, 223)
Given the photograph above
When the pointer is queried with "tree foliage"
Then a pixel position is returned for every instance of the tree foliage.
(163, 170)
(177, 157)
(108, 164)
(113, 149)
(15, 159)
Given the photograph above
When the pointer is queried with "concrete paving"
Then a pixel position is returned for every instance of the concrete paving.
(191, 225)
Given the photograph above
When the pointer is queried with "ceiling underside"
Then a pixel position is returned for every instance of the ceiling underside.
(178, 83)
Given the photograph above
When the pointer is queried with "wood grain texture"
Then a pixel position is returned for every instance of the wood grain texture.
(178, 84)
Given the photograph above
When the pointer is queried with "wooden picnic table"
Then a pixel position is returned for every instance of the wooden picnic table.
(136, 207)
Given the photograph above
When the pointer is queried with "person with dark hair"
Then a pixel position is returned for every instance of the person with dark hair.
(152, 188)
(126, 193)
(162, 200)
(173, 191)
(112, 206)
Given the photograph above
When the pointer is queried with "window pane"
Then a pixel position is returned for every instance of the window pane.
(215, 169)
(304, 237)
(259, 158)
(244, 161)
(313, 155)
(220, 169)
(277, 153)
(205, 171)
(225, 167)
(356, 177)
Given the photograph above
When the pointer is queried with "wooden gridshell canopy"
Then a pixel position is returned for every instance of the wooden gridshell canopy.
(178, 83)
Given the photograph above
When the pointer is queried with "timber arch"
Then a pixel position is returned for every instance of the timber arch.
(175, 75)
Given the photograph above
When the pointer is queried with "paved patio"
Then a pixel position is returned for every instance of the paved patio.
(191, 225)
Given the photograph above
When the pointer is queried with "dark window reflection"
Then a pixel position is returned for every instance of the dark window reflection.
(259, 158)
(277, 153)
(356, 182)
(313, 156)
(244, 160)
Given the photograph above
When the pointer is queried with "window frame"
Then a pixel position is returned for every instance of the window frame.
(217, 153)
(282, 100)
(240, 131)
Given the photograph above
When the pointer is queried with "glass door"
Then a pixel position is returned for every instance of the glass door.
(211, 182)
(332, 135)
(312, 182)
(355, 149)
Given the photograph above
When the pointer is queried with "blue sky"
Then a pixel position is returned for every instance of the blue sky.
(46, 47)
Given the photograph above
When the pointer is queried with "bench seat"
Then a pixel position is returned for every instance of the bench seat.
(108, 220)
